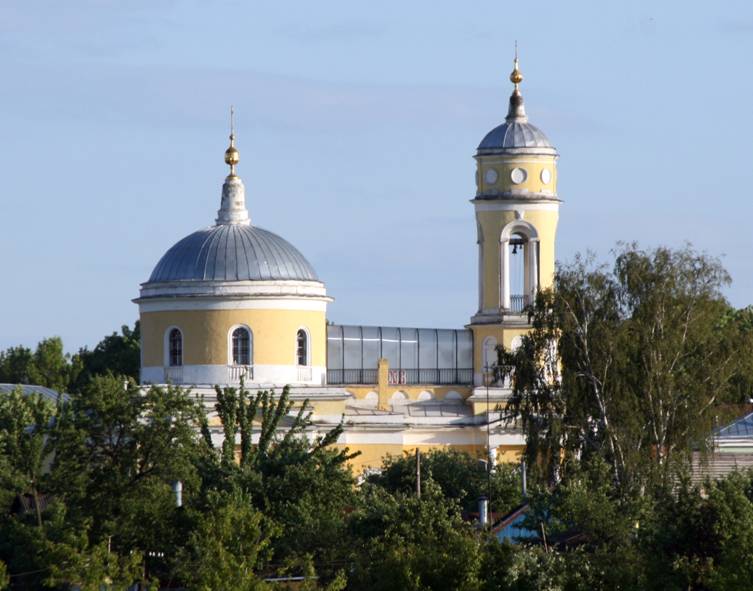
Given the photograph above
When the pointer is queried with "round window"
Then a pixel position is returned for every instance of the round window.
(546, 176)
(491, 176)
(518, 175)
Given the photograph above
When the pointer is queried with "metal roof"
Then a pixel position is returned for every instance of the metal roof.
(27, 389)
(515, 134)
(740, 428)
(232, 252)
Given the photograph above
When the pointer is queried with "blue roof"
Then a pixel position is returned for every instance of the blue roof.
(232, 252)
(740, 428)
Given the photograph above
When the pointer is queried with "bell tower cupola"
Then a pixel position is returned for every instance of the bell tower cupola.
(517, 208)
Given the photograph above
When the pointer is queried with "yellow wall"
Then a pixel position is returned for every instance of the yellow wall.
(504, 165)
(205, 335)
(502, 334)
(371, 456)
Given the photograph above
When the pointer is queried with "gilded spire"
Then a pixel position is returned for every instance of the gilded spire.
(232, 156)
(516, 76)
(233, 204)
(516, 110)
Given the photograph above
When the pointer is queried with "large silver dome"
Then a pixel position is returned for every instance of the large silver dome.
(232, 252)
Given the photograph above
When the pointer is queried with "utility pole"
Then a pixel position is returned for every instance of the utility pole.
(487, 380)
(418, 473)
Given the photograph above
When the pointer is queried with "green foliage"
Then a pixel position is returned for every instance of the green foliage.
(459, 475)
(118, 449)
(228, 544)
(47, 366)
(117, 354)
(624, 371)
(628, 364)
(75, 561)
(304, 486)
(414, 544)
(24, 444)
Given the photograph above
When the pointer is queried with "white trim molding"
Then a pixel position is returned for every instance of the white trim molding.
(267, 303)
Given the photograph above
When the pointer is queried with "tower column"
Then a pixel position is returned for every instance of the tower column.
(532, 267)
(504, 299)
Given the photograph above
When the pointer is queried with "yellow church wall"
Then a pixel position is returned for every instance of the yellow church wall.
(206, 335)
(372, 455)
(327, 407)
(510, 454)
(503, 335)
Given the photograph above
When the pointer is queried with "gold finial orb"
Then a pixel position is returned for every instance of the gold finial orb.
(232, 156)
(516, 77)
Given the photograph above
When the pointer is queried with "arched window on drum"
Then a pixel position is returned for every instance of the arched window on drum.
(241, 344)
(302, 347)
(175, 348)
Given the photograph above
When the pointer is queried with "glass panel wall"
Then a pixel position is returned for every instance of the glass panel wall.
(423, 356)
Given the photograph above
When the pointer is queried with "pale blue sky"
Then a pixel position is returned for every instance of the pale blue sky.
(357, 123)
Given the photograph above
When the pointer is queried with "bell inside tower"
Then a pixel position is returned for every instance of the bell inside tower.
(520, 274)
(517, 246)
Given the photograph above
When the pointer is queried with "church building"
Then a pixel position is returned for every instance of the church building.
(234, 301)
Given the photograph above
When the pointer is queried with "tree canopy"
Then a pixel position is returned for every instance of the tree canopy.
(630, 363)
(626, 370)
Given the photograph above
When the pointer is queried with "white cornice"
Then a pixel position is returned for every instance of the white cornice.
(165, 304)
(511, 205)
(234, 289)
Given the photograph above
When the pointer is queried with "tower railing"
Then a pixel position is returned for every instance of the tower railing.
(518, 303)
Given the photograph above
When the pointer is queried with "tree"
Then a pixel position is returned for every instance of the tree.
(403, 542)
(459, 475)
(17, 366)
(627, 363)
(302, 483)
(24, 446)
(52, 367)
(74, 561)
(4, 578)
(47, 366)
(118, 449)
(118, 354)
(228, 545)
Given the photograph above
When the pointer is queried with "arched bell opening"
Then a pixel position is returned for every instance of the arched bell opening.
(520, 266)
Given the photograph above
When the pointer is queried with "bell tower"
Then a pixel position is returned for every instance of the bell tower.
(517, 209)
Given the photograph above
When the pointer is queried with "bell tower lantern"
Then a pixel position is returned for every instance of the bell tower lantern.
(517, 209)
